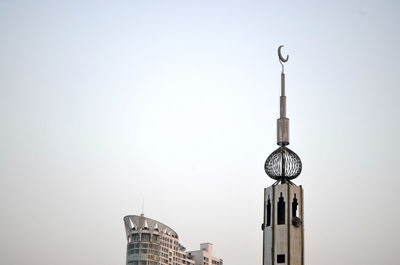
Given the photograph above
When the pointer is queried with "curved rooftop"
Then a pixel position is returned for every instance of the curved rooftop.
(140, 223)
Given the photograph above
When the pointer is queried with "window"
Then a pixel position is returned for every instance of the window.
(135, 237)
(280, 258)
(144, 245)
(146, 237)
(155, 238)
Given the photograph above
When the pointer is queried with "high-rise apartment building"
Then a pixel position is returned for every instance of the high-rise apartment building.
(151, 242)
(204, 256)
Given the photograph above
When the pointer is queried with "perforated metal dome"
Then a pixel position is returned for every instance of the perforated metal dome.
(283, 163)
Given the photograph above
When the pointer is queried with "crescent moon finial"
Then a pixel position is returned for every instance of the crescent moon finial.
(283, 60)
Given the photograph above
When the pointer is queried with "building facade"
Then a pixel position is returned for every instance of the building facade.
(204, 256)
(150, 242)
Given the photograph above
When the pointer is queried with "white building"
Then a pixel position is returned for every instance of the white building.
(153, 243)
(204, 256)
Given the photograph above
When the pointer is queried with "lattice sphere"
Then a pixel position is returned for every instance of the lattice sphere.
(283, 163)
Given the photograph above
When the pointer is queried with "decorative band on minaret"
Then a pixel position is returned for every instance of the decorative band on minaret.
(283, 225)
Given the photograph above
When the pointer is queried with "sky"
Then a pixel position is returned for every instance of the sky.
(104, 104)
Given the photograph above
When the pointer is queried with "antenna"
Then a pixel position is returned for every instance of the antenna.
(142, 207)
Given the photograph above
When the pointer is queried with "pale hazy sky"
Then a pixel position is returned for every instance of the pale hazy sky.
(103, 104)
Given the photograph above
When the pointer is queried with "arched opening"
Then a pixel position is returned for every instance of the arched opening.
(281, 210)
(294, 207)
(268, 212)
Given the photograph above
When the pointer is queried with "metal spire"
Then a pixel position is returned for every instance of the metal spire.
(283, 164)
(283, 121)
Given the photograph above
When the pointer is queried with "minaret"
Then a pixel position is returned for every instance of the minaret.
(283, 231)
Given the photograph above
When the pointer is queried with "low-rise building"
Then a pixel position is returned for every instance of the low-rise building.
(204, 256)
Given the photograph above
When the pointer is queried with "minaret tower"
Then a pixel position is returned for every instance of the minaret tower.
(283, 231)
